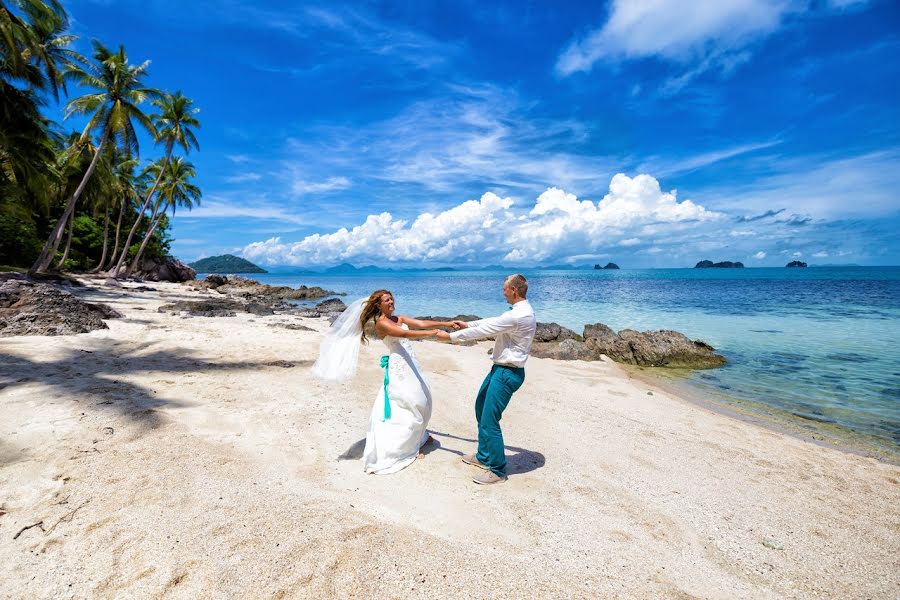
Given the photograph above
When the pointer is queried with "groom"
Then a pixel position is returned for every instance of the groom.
(514, 331)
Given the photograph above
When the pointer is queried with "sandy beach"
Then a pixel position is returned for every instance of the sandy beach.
(197, 457)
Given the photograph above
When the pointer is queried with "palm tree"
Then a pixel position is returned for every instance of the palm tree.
(71, 164)
(21, 38)
(112, 110)
(47, 49)
(123, 194)
(32, 52)
(175, 190)
(173, 123)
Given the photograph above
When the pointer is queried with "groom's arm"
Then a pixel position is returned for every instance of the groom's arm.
(485, 328)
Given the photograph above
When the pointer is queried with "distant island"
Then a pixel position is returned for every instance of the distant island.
(611, 265)
(227, 263)
(727, 264)
(796, 263)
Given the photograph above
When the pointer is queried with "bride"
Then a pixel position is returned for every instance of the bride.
(403, 403)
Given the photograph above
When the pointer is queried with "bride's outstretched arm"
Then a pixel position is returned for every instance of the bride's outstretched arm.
(426, 324)
(387, 327)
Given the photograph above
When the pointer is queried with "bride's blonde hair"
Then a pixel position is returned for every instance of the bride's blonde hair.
(371, 310)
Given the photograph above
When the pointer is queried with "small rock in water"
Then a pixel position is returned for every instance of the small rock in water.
(773, 544)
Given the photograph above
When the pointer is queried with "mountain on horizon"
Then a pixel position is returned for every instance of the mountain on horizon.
(225, 263)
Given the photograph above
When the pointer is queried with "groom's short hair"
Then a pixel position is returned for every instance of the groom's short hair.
(518, 283)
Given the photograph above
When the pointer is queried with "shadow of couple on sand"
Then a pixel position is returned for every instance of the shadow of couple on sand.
(520, 461)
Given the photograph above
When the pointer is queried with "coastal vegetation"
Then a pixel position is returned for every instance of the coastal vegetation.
(67, 198)
(226, 263)
(727, 264)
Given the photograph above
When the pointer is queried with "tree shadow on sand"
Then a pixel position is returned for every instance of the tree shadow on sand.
(94, 378)
(520, 461)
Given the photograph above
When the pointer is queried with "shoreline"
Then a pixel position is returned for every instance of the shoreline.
(819, 433)
(195, 456)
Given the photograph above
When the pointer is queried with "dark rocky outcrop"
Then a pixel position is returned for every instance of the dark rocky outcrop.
(241, 287)
(164, 269)
(291, 326)
(600, 339)
(331, 305)
(796, 263)
(569, 349)
(726, 264)
(651, 348)
(611, 266)
(33, 308)
(217, 308)
(554, 332)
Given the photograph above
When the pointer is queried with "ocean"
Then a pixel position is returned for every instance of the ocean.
(819, 346)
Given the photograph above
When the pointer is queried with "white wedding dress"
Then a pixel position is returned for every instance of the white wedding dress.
(393, 444)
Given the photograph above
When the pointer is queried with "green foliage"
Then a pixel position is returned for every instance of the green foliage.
(40, 168)
(227, 263)
(19, 239)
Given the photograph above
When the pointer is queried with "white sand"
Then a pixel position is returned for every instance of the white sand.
(173, 456)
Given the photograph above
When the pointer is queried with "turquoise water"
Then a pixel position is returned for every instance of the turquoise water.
(820, 343)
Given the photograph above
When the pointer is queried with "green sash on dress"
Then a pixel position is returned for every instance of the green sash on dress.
(387, 405)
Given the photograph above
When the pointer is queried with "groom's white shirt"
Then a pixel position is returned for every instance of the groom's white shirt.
(514, 330)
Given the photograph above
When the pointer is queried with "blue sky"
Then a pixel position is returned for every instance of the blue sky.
(651, 134)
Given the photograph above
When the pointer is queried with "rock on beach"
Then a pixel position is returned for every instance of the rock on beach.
(32, 308)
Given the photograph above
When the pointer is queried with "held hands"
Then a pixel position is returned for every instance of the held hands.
(459, 324)
(442, 335)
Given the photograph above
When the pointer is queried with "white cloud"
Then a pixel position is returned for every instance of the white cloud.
(704, 34)
(665, 168)
(759, 255)
(557, 226)
(821, 187)
(330, 184)
(222, 207)
(243, 177)
(821, 254)
(480, 135)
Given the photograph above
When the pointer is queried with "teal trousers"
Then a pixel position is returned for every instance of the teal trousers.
(495, 393)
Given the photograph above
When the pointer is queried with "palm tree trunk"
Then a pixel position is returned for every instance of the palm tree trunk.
(62, 261)
(115, 272)
(105, 242)
(154, 221)
(52, 244)
(140, 253)
(118, 229)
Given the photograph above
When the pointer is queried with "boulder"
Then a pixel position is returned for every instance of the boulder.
(243, 287)
(168, 268)
(651, 348)
(565, 350)
(600, 339)
(32, 308)
(670, 349)
(206, 308)
(554, 332)
(331, 305)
